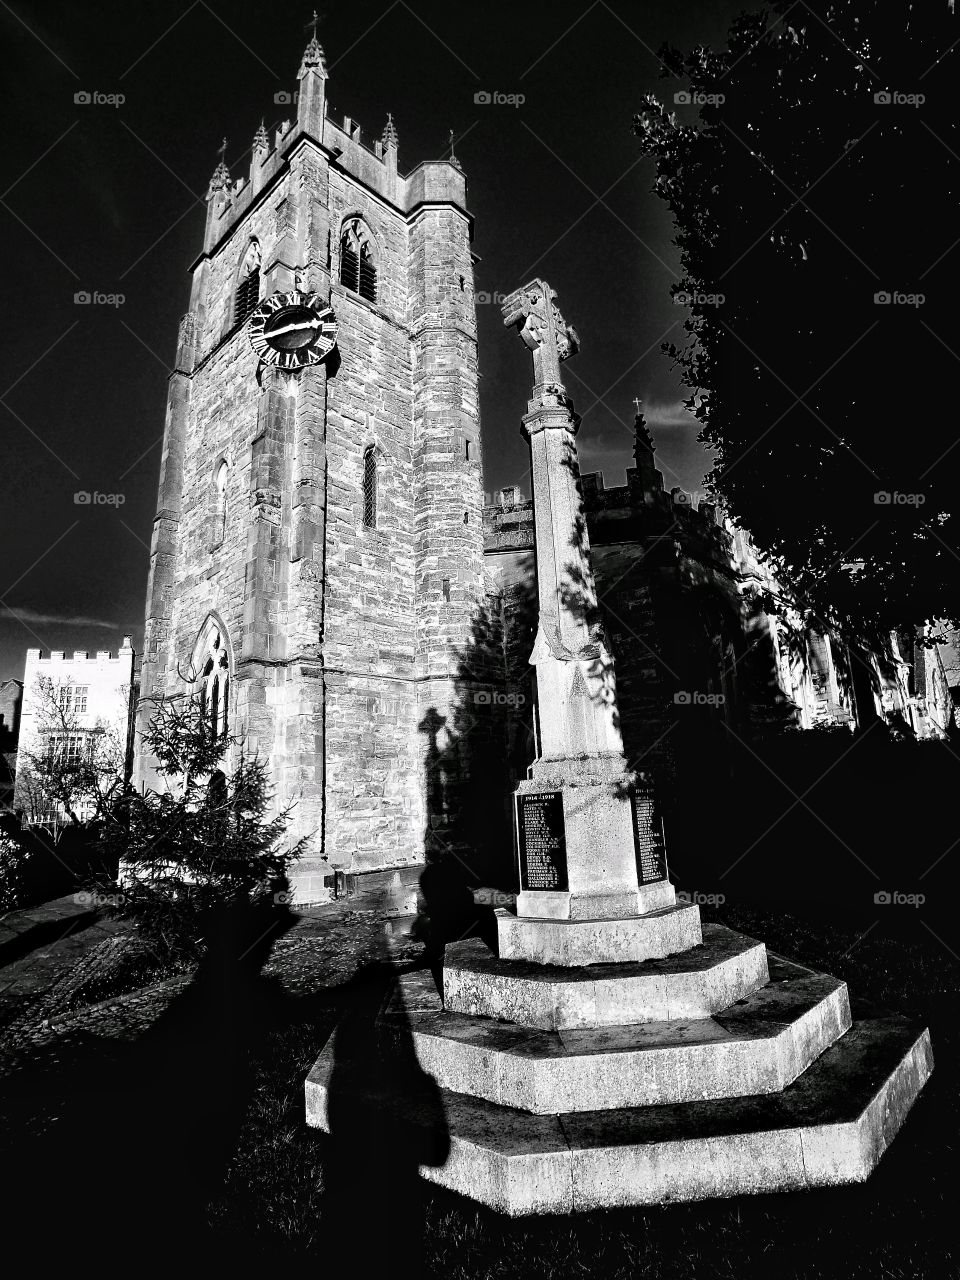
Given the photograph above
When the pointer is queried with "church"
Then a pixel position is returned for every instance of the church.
(316, 559)
(326, 576)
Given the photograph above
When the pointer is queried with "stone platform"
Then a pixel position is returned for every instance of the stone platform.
(714, 1070)
(689, 984)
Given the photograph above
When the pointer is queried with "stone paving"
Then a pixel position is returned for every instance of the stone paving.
(41, 994)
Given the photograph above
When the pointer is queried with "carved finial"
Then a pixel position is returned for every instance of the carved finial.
(261, 139)
(313, 59)
(221, 174)
(389, 136)
(452, 157)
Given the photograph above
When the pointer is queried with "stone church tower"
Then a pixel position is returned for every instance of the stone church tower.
(317, 552)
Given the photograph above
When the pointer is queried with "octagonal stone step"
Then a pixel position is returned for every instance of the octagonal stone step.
(691, 984)
(626, 939)
(830, 1127)
(757, 1045)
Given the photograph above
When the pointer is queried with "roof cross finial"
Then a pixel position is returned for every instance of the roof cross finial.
(222, 151)
(638, 402)
(312, 25)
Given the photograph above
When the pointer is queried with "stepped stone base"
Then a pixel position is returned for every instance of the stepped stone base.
(757, 1045)
(619, 940)
(700, 1066)
(829, 1127)
(692, 984)
(553, 905)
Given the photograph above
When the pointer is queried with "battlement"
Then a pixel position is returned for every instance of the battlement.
(58, 657)
(508, 521)
(372, 162)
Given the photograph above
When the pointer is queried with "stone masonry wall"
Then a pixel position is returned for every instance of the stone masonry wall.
(335, 630)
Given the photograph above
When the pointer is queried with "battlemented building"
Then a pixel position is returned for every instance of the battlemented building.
(704, 639)
(317, 549)
(74, 705)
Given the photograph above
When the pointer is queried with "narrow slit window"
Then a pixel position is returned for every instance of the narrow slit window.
(370, 488)
(220, 499)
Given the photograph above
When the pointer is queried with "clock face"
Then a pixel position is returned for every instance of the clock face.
(293, 330)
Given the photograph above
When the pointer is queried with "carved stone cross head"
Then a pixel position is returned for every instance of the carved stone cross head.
(534, 311)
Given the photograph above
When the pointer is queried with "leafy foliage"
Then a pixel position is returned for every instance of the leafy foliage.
(202, 844)
(802, 198)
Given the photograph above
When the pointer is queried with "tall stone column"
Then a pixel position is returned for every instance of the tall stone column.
(581, 829)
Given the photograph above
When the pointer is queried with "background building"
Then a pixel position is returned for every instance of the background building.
(73, 705)
(11, 699)
(703, 638)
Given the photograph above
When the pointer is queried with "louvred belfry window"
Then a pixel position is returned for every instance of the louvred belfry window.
(358, 267)
(248, 284)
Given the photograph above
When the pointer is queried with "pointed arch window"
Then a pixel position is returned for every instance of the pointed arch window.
(248, 283)
(370, 487)
(358, 263)
(213, 679)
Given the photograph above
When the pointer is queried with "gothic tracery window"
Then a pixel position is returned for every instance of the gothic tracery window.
(358, 267)
(248, 284)
(370, 487)
(213, 683)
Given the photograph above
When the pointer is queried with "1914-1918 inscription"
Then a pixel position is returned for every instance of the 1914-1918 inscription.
(648, 838)
(541, 841)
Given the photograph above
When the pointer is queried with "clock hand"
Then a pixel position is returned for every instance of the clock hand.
(291, 328)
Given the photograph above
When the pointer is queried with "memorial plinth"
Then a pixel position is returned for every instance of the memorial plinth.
(616, 1051)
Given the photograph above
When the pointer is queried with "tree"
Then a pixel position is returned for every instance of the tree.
(815, 212)
(202, 843)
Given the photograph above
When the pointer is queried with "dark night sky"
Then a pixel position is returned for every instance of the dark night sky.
(110, 198)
